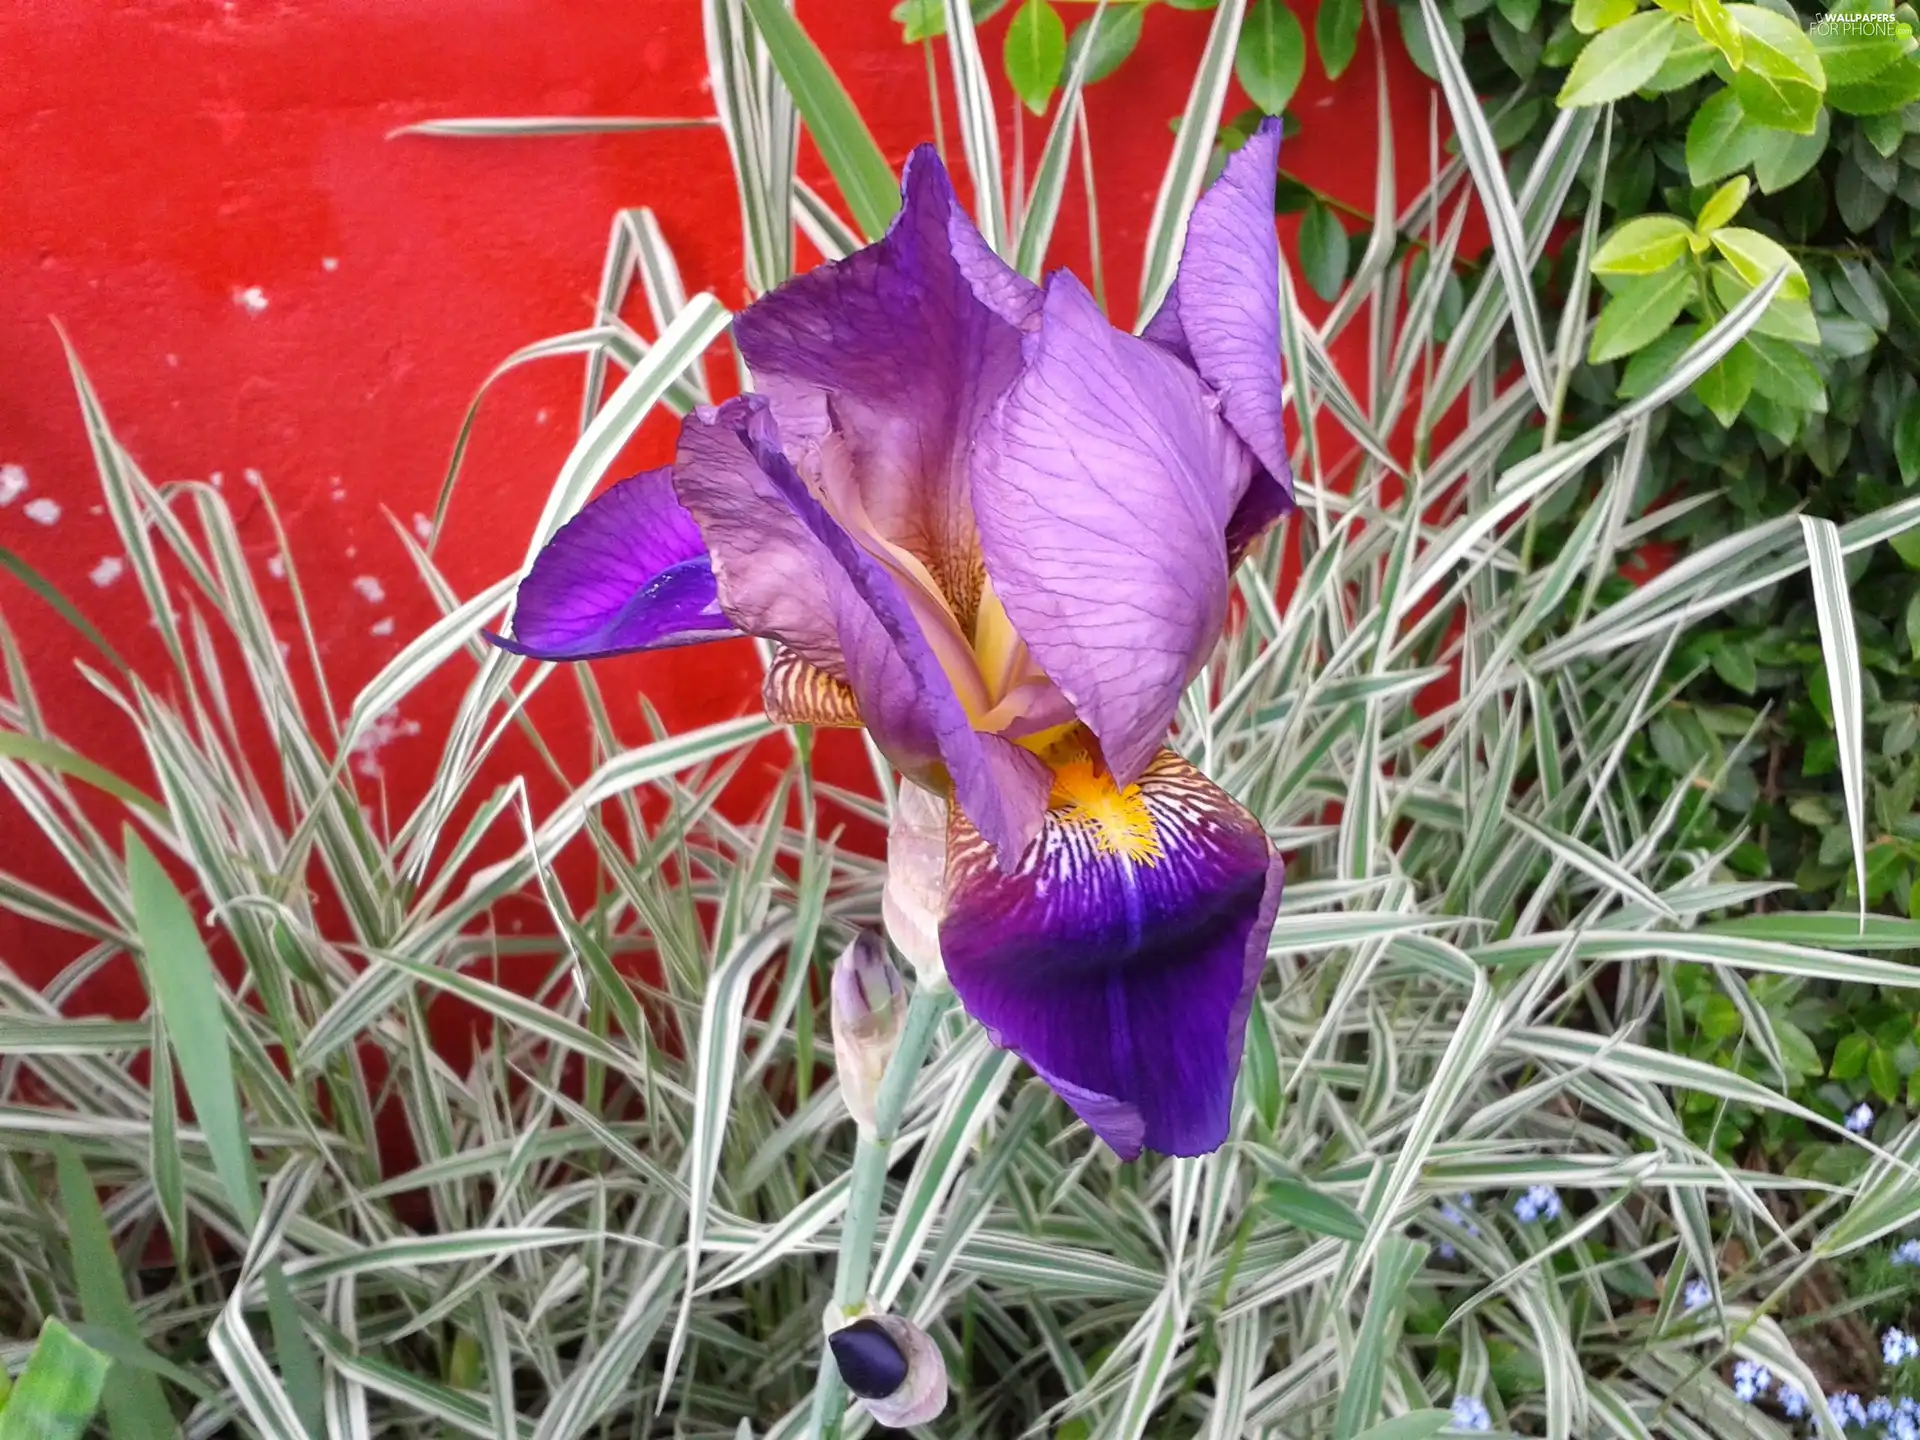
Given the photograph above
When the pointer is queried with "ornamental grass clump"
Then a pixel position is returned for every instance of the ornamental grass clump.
(646, 1203)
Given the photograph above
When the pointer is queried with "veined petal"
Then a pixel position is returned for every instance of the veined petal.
(796, 693)
(1121, 957)
(910, 340)
(1222, 314)
(788, 570)
(629, 572)
(1102, 488)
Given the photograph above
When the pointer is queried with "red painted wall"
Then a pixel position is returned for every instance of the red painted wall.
(266, 289)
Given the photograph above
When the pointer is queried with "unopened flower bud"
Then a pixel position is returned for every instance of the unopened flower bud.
(866, 1021)
(915, 898)
(894, 1367)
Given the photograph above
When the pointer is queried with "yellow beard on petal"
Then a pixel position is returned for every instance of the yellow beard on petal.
(1084, 795)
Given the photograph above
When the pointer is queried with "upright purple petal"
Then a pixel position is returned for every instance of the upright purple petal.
(1222, 314)
(908, 341)
(1121, 957)
(782, 559)
(1102, 487)
(629, 572)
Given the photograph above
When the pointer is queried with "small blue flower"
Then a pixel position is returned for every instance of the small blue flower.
(1750, 1379)
(1907, 1252)
(1897, 1346)
(1793, 1400)
(1541, 1202)
(1860, 1118)
(1904, 1427)
(1879, 1410)
(1457, 1214)
(1445, 1250)
(1470, 1414)
(1907, 1405)
(1846, 1408)
(1697, 1293)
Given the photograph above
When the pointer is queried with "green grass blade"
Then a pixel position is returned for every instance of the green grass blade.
(1840, 647)
(57, 1395)
(866, 180)
(136, 1406)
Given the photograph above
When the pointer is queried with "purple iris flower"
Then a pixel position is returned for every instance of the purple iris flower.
(997, 532)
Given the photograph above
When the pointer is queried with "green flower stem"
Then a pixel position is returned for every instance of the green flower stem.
(868, 1186)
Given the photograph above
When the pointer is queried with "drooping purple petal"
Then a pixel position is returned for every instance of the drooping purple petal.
(1125, 980)
(909, 341)
(788, 570)
(1222, 315)
(771, 572)
(1103, 483)
(629, 572)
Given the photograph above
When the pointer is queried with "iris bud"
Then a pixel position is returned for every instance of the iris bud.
(915, 898)
(867, 1013)
(894, 1367)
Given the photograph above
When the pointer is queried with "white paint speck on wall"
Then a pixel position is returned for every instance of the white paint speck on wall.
(13, 483)
(252, 476)
(44, 511)
(371, 590)
(422, 526)
(329, 263)
(386, 728)
(253, 299)
(381, 627)
(110, 569)
(276, 567)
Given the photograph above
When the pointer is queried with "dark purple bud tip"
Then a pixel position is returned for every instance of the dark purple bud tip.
(870, 1361)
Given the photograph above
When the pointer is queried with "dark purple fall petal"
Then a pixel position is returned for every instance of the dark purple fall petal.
(629, 572)
(1125, 983)
(775, 542)
(1102, 487)
(1222, 314)
(898, 349)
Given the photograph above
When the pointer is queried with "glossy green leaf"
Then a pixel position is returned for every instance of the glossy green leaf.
(1780, 82)
(1643, 246)
(1640, 312)
(1619, 61)
(1721, 139)
(1784, 375)
(1114, 34)
(1323, 246)
(1035, 53)
(1724, 390)
(1271, 56)
(1853, 53)
(1592, 16)
(1781, 157)
(1336, 33)
(1716, 27)
(1723, 204)
(1755, 257)
(1889, 91)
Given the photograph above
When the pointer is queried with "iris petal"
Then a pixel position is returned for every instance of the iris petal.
(909, 340)
(629, 572)
(1223, 315)
(1102, 488)
(1124, 978)
(787, 569)
(796, 693)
